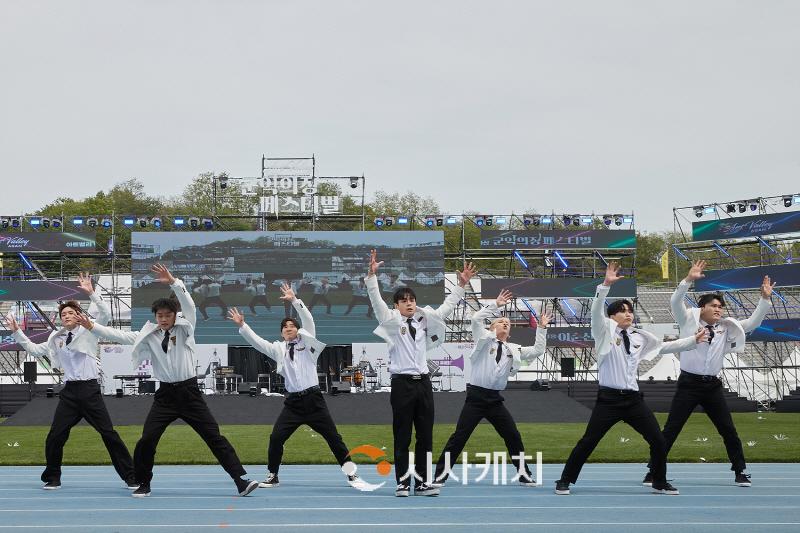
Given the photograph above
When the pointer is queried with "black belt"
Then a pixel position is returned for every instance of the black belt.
(191, 382)
(410, 377)
(621, 392)
(484, 390)
(80, 381)
(304, 392)
(698, 377)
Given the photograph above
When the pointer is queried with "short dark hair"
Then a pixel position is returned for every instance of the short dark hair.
(289, 319)
(404, 292)
(170, 304)
(707, 298)
(71, 304)
(618, 306)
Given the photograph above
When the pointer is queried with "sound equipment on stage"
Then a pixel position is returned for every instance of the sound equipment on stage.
(147, 387)
(243, 387)
(133, 383)
(253, 392)
(567, 367)
(29, 369)
(50, 393)
(119, 393)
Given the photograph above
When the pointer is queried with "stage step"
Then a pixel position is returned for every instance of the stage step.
(790, 403)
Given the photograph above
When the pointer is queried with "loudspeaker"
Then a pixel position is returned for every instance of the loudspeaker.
(29, 369)
(119, 393)
(540, 384)
(567, 367)
(147, 387)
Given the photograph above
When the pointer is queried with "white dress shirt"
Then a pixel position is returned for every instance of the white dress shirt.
(707, 358)
(261, 289)
(178, 364)
(408, 355)
(77, 366)
(486, 371)
(301, 373)
(620, 370)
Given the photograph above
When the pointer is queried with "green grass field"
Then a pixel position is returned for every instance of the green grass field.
(180, 445)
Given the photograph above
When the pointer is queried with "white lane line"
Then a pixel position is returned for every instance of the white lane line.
(402, 508)
(402, 524)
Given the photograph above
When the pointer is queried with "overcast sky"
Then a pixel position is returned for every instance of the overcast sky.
(573, 106)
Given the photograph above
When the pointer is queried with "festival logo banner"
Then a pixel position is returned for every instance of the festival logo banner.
(561, 239)
(739, 227)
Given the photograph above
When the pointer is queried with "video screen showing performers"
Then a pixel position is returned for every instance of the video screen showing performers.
(245, 269)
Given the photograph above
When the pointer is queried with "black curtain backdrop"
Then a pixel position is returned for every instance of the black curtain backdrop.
(249, 362)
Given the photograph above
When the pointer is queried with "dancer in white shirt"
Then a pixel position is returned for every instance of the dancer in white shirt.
(296, 356)
(698, 383)
(493, 360)
(619, 347)
(74, 350)
(168, 343)
(411, 332)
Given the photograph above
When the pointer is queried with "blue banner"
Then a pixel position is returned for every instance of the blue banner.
(748, 278)
(777, 330)
(739, 227)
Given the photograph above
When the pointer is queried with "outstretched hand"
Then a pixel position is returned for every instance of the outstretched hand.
(84, 320)
(696, 271)
(701, 335)
(85, 283)
(288, 293)
(766, 288)
(503, 298)
(236, 316)
(465, 275)
(545, 319)
(374, 265)
(163, 273)
(12, 322)
(612, 274)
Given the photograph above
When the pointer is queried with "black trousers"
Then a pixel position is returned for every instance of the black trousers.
(260, 299)
(482, 403)
(83, 399)
(311, 410)
(320, 298)
(694, 390)
(185, 401)
(212, 300)
(358, 300)
(614, 406)
(412, 405)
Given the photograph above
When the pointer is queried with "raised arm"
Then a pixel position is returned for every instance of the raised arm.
(677, 301)
(762, 309)
(302, 311)
(599, 319)
(184, 298)
(263, 346)
(457, 293)
(103, 309)
(382, 312)
(530, 353)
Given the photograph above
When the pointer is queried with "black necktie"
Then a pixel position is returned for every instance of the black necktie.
(710, 329)
(291, 350)
(412, 329)
(165, 342)
(499, 352)
(69, 338)
(626, 341)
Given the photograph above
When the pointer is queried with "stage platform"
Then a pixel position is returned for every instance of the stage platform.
(371, 408)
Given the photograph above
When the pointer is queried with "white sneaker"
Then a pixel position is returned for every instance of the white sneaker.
(402, 490)
(356, 482)
(426, 489)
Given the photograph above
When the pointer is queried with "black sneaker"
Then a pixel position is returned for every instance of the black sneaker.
(131, 484)
(52, 485)
(402, 490)
(742, 479)
(270, 482)
(425, 489)
(142, 491)
(245, 486)
(562, 487)
(665, 488)
(648, 480)
(526, 480)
